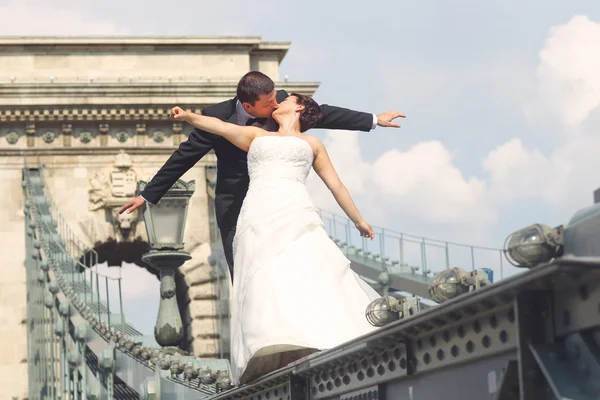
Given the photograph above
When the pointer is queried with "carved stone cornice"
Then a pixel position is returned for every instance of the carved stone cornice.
(123, 94)
(126, 43)
(95, 151)
(77, 91)
(92, 113)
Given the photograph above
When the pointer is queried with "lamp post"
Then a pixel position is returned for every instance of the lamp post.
(165, 225)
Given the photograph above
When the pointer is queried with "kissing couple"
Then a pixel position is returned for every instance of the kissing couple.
(294, 292)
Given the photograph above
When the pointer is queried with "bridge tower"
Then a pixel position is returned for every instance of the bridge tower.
(94, 111)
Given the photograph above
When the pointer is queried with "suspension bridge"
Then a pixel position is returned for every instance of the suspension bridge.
(82, 346)
(80, 343)
(531, 335)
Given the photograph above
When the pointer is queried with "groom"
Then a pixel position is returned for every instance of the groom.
(255, 101)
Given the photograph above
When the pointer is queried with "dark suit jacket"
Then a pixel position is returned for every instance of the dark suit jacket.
(232, 171)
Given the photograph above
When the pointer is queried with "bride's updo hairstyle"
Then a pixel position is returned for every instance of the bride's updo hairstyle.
(311, 115)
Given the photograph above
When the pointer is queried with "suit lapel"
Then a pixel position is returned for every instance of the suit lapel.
(231, 116)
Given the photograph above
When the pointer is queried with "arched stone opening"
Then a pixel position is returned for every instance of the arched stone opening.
(203, 312)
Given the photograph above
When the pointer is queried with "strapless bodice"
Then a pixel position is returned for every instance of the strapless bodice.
(279, 157)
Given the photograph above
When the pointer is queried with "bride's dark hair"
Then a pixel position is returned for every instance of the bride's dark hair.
(311, 115)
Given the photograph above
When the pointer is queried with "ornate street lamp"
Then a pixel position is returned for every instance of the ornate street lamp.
(165, 225)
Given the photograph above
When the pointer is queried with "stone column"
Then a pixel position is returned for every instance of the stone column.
(177, 136)
(30, 131)
(103, 128)
(140, 130)
(67, 129)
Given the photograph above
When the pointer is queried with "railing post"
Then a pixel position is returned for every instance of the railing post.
(334, 233)
(423, 257)
(472, 258)
(107, 302)
(447, 256)
(91, 287)
(401, 244)
(348, 233)
(382, 245)
(98, 293)
(121, 308)
(63, 359)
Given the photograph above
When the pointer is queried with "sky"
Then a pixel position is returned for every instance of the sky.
(501, 97)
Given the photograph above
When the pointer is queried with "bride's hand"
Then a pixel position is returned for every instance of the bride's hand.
(365, 230)
(178, 114)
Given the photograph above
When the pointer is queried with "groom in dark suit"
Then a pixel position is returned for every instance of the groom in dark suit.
(255, 101)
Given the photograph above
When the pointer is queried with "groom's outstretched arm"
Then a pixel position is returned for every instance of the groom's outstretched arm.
(344, 118)
(351, 120)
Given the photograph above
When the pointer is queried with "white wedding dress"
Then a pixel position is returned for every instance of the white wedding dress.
(293, 287)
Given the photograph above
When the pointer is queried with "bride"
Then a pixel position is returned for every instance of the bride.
(294, 291)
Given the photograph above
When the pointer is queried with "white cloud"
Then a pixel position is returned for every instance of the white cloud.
(563, 180)
(568, 90)
(420, 189)
(568, 79)
(517, 172)
(32, 17)
(417, 184)
(344, 151)
(425, 182)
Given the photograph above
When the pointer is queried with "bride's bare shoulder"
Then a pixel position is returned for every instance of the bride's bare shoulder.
(314, 142)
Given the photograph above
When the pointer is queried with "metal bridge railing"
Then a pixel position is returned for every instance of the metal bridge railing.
(77, 347)
(397, 252)
(80, 264)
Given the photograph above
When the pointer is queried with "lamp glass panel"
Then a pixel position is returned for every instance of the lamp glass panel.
(167, 221)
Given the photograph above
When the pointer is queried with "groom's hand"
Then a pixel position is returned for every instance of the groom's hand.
(385, 119)
(132, 205)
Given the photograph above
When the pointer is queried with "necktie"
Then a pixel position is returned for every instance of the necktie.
(252, 121)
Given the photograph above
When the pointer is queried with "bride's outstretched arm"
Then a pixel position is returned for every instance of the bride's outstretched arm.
(324, 168)
(240, 136)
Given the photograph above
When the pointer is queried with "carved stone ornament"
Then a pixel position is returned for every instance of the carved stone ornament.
(85, 137)
(99, 186)
(123, 179)
(12, 137)
(124, 224)
(49, 136)
(111, 191)
(158, 136)
(122, 136)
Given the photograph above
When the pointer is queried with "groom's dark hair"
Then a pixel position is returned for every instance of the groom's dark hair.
(253, 85)
(311, 115)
